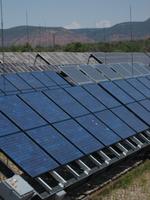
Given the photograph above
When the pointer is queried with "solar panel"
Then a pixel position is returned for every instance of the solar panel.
(86, 99)
(128, 117)
(145, 81)
(123, 72)
(140, 68)
(132, 70)
(6, 126)
(140, 111)
(103, 133)
(18, 82)
(56, 78)
(78, 136)
(76, 75)
(145, 103)
(92, 73)
(55, 144)
(6, 86)
(130, 90)
(44, 79)
(110, 74)
(20, 113)
(115, 124)
(66, 102)
(101, 95)
(26, 154)
(117, 92)
(139, 86)
(32, 81)
(44, 106)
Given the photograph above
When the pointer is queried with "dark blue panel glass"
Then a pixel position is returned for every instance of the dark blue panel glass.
(55, 144)
(44, 79)
(6, 126)
(115, 124)
(145, 81)
(145, 103)
(139, 86)
(102, 132)
(129, 89)
(6, 86)
(26, 154)
(56, 78)
(127, 116)
(31, 80)
(18, 82)
(102, 95)
(140, 111)
(66, 102)
(86, 99)
(44, 106)
(117, 92)
(78, 136)
(20, 113)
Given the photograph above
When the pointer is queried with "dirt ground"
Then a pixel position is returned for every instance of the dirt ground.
(135, 185)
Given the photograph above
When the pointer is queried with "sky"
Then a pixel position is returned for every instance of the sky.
(73, 13)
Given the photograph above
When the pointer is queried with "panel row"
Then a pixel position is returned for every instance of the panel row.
(25, 82)
(64, 124)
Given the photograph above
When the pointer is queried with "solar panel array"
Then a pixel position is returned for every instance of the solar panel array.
(36, 81)
(45, 123)
(84, 74)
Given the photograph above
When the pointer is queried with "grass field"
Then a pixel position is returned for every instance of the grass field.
(135, 185)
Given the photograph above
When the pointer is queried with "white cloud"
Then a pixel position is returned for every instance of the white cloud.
(103, 24)
(73, 25)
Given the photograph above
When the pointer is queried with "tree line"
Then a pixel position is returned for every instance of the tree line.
(120, 46)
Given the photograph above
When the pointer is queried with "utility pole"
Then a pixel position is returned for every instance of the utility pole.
(2, 34)
(27, 28)
(131, 39)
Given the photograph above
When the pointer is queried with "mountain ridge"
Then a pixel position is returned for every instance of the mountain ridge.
(48, 36)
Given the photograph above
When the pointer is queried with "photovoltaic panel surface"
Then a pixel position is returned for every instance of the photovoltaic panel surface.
(76, 75)
(55, 144)
(132, 70)
(86, 99)
(140, 111)
(115, 124)
(78, 136)
(110, 74)
(124, 73)
(32, 81)
(20, 113)
(45, 80)
(6, 86)
(66, 102)
(140, 68)
(145, 81)
(117, 92)
(56, 78)
(18, 82)
(139, 86)
(44, 106)
(128, 117)
(130, 90)
(102, 132)
(6, 126)
(146, 104)
(101, 95)
(92, 73)
(26, 154)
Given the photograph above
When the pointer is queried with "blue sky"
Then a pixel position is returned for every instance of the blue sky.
(73, 13)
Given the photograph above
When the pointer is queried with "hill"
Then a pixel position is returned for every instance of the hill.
(48, 36)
